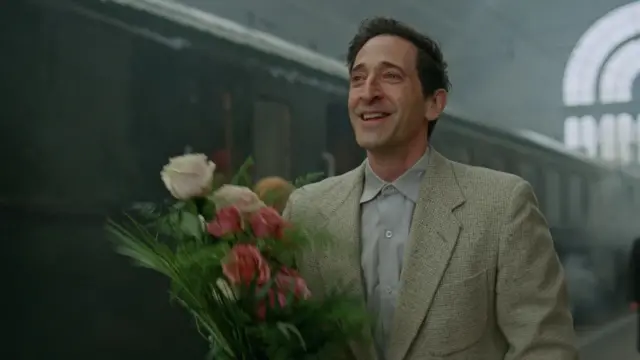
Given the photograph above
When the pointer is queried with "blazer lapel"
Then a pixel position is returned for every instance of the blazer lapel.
(433, 236)
(342, 263)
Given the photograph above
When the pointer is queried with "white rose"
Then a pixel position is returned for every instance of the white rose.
(188, 176)
(224, 289)
(239, 196)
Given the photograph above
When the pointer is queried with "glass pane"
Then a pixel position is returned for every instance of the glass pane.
(271, 139)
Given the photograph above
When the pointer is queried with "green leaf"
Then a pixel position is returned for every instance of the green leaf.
(145, 253)
(262, 293)
(291, 295)
(287, 329)
(191, 225)
(208, 209)
(146, 209)
(203, 256)
(307, 179)
(243, 177)
(190, 207)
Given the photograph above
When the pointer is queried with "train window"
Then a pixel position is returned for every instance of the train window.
(575, 199)
(454, 146)
(552, 198)
(587, 190)
(340, 141)
(208, 104)
(220, 133)
(271, 139)
(530, 173)
(497, 163)
(482, 158)
(460, 154)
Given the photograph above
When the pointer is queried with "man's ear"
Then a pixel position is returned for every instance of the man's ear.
(435, 104)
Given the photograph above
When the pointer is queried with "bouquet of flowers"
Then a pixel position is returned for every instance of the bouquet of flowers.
(231, 262)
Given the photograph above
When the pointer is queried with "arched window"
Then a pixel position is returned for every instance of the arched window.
(625, 137)
(589, 135)
(608, 141)
(637, 139)
(572, 132)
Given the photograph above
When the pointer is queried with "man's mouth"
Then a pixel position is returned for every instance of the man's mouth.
(373, 116)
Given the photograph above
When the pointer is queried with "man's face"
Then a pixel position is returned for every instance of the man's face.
(386, 104)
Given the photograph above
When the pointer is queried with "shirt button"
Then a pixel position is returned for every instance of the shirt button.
(388, 234)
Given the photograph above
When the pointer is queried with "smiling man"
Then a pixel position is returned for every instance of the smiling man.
(456, 261)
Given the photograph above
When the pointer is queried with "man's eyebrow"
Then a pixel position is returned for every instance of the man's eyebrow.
(357, 67)
(383, 64)
(388, 64)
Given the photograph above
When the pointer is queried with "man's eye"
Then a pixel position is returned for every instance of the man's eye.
(391, 75)
(357, 77)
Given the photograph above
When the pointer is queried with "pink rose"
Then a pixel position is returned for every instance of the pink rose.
(288, 280)
(239, 196)
(227, 221)
(267, 222)
(244, 264)
(272, 297)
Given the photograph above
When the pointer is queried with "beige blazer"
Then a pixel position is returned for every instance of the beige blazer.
(481, 279)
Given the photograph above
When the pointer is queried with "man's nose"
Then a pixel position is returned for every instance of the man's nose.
(371, 90)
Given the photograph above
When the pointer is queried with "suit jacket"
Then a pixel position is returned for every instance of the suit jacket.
(480, 280)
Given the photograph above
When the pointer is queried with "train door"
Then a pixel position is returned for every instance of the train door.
(271, 139)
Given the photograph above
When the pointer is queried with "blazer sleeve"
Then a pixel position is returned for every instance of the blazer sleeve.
(306, 262)
(531, 296)
(287, 213)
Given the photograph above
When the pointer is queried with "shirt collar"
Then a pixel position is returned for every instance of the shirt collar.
(408, 183)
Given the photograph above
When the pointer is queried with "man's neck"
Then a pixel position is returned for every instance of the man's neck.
(389, 165)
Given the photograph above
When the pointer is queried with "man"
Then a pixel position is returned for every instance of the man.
(456, 261)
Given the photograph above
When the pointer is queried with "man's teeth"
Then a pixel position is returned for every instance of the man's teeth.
(373, 116)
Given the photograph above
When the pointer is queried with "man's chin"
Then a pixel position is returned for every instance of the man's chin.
(373, 145)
